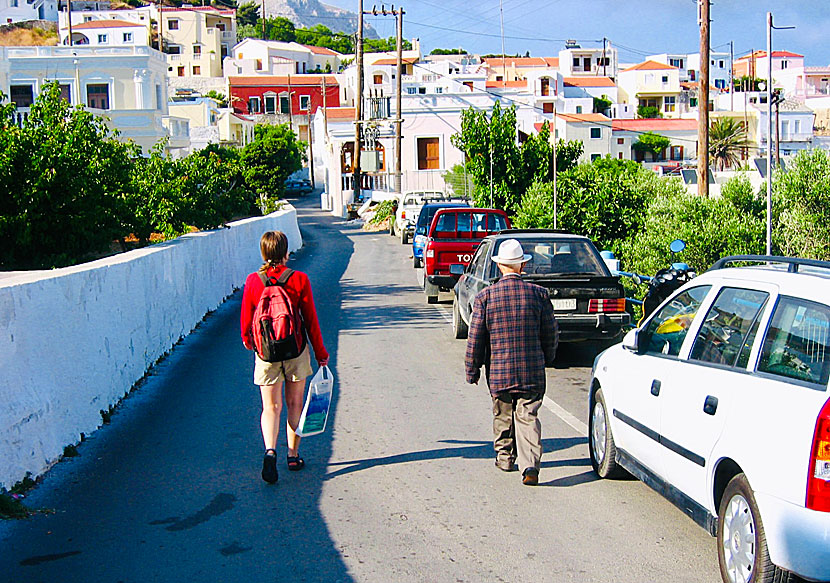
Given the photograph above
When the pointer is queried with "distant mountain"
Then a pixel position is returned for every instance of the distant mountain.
(307, 13)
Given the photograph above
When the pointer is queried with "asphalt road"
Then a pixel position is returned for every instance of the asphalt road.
(401, 487)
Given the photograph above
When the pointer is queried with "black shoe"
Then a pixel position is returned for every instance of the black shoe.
(530, 477)
(269, 467)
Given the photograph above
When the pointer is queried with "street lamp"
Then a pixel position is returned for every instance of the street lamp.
(770, 27)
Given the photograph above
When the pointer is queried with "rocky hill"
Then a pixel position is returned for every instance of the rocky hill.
(307, 13)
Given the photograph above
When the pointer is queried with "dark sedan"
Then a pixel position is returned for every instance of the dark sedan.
(588, 301)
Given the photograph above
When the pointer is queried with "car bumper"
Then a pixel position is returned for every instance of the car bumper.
(798, 539)
(574, 327)
(447, 281)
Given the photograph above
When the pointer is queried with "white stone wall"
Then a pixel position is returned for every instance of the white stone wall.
(73, 341)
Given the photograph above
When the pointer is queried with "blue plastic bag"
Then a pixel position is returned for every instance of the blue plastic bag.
(317, 403)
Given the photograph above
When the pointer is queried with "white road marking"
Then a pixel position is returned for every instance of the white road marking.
(560, 412)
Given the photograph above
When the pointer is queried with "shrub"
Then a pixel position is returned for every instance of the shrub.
(801, 226)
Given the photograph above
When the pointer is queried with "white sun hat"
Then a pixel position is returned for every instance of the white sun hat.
(511, 253)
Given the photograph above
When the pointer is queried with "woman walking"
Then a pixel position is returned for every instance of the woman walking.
(270, 376)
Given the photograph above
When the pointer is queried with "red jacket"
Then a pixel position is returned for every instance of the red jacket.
(298, 288)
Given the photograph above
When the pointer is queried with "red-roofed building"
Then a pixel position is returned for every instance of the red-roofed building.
(577, 61)
(787, 70)
(511, 69)
(107, 33)
(592, 129)
(283, 99)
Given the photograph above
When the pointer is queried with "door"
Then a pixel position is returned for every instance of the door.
(636, 394)
(472, 281)
(696, 404)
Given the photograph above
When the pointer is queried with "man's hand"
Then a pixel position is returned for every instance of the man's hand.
(248, 343)
(473, 379)
(323, 362)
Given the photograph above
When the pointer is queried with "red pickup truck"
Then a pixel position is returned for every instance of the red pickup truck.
(453, 237)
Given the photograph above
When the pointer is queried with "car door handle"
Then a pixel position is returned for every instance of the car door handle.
(710, 405)
(655, 387)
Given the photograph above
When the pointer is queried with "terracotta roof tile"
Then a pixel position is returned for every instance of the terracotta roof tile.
(589, 82)
(519, 84)
(394, 61)
(340, 113)
(321, 50)
(654, 125)
(104, 24)
(649, 66)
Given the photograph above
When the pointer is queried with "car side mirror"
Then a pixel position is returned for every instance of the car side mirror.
(631, 341)
(456, 269)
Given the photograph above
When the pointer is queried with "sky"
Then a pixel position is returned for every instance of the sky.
(637, 28)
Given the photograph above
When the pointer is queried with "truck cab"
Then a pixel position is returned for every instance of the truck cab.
(453, 238)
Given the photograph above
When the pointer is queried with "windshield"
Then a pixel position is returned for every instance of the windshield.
(560, 257)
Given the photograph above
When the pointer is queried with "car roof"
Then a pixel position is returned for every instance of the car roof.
(552, 234)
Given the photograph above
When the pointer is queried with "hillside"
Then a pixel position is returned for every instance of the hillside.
(307, 13)
(26, 35)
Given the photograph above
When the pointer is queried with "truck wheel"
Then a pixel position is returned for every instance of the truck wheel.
(601, 440)
(459, 328)
(742, 543)
(431, 292)
(416, 262)
(404, 238)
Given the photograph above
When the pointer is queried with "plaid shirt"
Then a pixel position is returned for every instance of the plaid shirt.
(513, 334)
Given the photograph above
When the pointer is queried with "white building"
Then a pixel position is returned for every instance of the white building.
(107, 33)
(127, 85)
(260, 57)
(682, 135)
(575, 61)
(22, 10)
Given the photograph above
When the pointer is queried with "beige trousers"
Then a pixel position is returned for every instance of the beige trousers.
(516, 429)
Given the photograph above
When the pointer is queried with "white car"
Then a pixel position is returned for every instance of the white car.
(719, 402)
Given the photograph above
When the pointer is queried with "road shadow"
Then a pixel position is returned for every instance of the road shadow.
(457, 449)
(170, 490)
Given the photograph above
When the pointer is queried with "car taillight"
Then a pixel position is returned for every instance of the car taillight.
(403, 214)
(818, 478)
(597, 306)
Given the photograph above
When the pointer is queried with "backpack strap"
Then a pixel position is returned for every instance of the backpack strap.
(283, 278)
(266, 281)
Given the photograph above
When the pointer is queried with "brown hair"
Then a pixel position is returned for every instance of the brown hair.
(274, 248)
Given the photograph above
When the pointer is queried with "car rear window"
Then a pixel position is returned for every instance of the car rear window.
(562, 258)
(796, 344)
(467, 224)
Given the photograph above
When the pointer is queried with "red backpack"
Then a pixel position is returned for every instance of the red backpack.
(278, 328)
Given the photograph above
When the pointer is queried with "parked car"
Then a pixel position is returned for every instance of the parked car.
(419, 241)
(297, 187)
(406, 212)
(588, 300)
(453, 237)
(719, 402)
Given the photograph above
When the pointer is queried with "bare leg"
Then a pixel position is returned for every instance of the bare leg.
(294, 400)
(271, 409)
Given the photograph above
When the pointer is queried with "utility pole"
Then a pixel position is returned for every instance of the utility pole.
(769, 133)
(703, 104)
(263, 19)
(69, 20)
(604, 40)
(358, 102)
(325, 113)
(310, 146)
(161, 43)
(503, 65)
(731, 77)
(290, 114)
(398, 112)
(777, 98)
(554, 160)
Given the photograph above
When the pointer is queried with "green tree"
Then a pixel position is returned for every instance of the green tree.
(603, 200)
(63, 173)
(268, 160)
(648, 112)
(727, 139)
(322, 36)
(652, 143)
(247, 14)
(801, 218)
(458, 51)
(601, 104)
(280, 29)
(221, 98)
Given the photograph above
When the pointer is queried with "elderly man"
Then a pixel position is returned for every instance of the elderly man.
(514, 335)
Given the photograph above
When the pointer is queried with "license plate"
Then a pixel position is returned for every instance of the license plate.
(568, 304)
